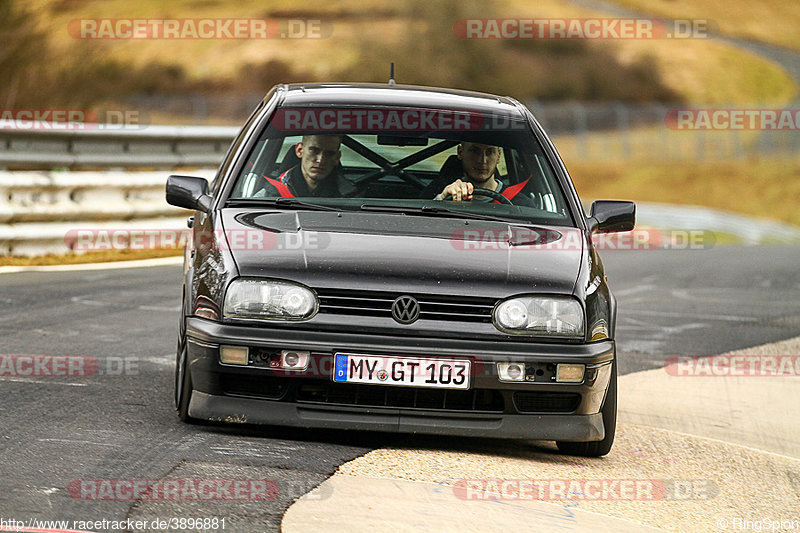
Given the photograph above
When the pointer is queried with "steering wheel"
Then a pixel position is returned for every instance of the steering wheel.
(477, 191)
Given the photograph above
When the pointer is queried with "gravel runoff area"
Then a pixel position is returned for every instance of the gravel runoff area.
(701, 483)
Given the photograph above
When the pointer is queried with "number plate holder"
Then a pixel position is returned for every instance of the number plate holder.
(438, 373)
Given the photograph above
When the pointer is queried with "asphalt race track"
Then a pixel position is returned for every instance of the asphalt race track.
(120, 424)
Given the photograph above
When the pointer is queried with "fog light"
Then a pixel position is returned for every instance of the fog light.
(567, 373)
(511, 371)
(233, 355)
(294, 360)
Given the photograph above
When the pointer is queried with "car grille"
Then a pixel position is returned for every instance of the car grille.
(546, 402)
(268, 387)
(379, 304)
(408, 397)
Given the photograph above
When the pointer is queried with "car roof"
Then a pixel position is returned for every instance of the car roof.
(393, 95)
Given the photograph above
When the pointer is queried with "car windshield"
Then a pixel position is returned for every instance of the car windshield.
(401, 160)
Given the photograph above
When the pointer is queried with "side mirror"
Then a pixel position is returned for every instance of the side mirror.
(189, 192)
(609, 216)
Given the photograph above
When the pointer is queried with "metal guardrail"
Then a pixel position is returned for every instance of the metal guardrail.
(46, 146)
(38, 210)
(73, 196)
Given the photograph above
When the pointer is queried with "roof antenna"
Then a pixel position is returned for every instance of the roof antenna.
(391, 73)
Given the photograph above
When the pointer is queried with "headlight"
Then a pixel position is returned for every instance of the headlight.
(276, 300)
(540, 315)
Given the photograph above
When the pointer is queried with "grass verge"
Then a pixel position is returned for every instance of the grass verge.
(767, 189)
(769, 21)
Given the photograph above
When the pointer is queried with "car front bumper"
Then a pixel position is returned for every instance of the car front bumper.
(492, 408)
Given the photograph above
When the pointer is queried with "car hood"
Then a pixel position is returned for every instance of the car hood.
(378, 251)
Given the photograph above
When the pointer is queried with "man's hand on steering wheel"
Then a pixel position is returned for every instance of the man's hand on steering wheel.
(458, 190)
(464, 191)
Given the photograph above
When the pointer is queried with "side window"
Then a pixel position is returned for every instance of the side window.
(262, 162)
(546, 196)
(226, 163)
(536, 169)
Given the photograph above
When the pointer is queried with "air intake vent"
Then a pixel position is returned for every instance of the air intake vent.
(410, 397)
(546, 402)
(379, 304)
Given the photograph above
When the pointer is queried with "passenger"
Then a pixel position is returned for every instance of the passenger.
(315, 174)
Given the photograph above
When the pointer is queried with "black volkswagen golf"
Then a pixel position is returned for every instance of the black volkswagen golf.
(397, 258)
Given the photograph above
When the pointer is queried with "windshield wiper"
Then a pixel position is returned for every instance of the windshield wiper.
(439, 211)
(281, 202)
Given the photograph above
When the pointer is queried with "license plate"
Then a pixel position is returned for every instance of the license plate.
(402, 371)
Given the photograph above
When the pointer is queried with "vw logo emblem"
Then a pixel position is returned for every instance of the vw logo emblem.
(405, 309)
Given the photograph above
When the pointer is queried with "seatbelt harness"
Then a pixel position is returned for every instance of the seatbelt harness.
(283, 189)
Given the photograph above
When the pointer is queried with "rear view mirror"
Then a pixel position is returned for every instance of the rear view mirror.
(610, 216)
(189, 192)
(398, 140)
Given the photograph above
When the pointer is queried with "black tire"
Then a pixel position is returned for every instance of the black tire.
(183, 388)
(609, 411)
(176, 401)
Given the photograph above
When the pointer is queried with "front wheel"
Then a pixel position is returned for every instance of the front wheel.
(609, 411)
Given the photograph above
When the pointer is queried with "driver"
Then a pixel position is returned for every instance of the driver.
(479, 170)
(315, 175)
(479, 162)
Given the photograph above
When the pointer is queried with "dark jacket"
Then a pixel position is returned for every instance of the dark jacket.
(292, 183)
